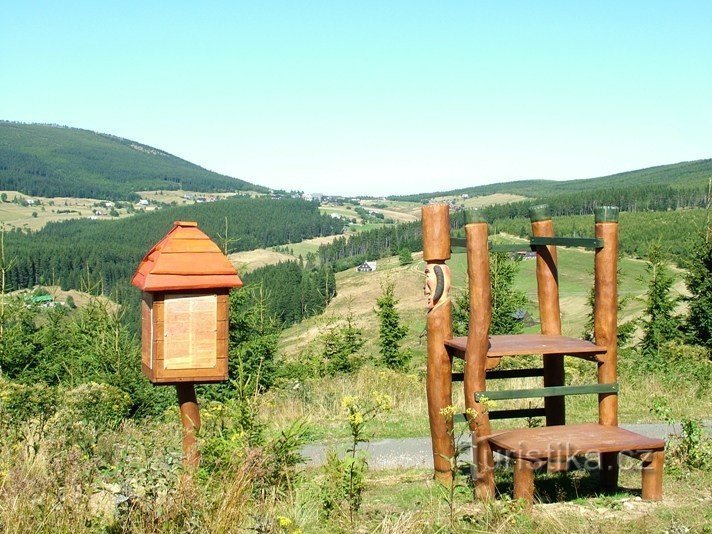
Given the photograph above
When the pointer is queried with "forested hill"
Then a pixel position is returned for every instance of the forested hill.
(70, 252)
(52, 161)
(685, 175)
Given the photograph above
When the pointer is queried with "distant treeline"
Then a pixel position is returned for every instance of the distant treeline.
(292, 291)
(674, 230)
(346, 252)
(51, 161)
(103, 255)
(678, 175)
(630, 199)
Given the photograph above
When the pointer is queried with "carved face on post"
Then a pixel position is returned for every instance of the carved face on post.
(437, 283)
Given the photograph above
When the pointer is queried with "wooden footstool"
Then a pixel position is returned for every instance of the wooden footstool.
(531, 446)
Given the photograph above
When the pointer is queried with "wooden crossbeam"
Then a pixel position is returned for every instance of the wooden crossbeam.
(553, 391)
(583, 242)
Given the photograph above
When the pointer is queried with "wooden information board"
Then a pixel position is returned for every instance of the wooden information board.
(191, 322)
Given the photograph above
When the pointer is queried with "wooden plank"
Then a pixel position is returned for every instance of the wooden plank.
(570, 440)
(222, 331)
(186, 264)
(223, 308)
(535, 241)
(146, 330)
(517, 247)
(583, 242)
(553, 391)
(183, 246)
(217, 373)
(523, 344)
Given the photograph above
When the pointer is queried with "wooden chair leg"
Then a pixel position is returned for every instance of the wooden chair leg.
(484, 460)
(653, 476)
(609, 471)
(524, 481)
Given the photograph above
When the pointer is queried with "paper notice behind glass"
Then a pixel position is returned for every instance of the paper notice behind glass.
(190, 331)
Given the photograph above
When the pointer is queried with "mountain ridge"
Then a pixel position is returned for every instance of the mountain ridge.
(53, 160)
(683, 174)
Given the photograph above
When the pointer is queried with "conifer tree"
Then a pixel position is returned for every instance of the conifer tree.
(405, 257)
(392, 331)
(506, 300)
(661, 324)
(341, 343)
(699, 283)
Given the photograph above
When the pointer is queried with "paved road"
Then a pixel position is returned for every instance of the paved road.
(416, 452)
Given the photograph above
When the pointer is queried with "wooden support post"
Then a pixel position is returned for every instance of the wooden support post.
(605, 329)
(653, 476)
(524, 480)
(190, 417)
(436, 250)
(547, 278)
(476, 354)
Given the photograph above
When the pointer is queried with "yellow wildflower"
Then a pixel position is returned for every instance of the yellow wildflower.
(382, 401)
(348, 401)
(284, 522)
(448, 412)
(356, 418)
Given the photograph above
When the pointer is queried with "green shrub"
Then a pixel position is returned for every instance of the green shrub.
(675, 363)
(22, 403)
(691, 448)
(101, 405)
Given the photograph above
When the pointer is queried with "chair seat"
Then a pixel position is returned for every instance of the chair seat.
(523, 344)
(566, 441)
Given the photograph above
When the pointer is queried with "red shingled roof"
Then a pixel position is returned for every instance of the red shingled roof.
(185, 259)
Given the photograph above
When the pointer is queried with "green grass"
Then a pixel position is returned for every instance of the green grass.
(408, 500)
(575, 281)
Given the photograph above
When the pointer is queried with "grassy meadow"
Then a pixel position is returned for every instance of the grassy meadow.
(35, 217)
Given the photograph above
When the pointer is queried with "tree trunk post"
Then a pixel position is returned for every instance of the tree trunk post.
(436, 251)
(476, 354)
(605, 329)
(547, 278)
(190, 417)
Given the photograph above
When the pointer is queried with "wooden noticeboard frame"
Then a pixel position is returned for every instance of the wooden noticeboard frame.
(185, 336)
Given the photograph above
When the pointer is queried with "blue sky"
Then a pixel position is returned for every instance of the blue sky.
(372, 97)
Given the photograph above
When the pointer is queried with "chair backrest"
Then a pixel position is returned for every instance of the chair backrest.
(605, 308)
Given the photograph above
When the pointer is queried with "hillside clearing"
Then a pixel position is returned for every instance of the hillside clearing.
(482, 201)
(576, 279)
(250, 260)
(47, 210)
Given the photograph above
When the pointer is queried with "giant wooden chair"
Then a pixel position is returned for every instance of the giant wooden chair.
(556, 443)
